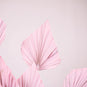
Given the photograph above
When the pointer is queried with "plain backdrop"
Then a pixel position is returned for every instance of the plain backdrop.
(68, 22)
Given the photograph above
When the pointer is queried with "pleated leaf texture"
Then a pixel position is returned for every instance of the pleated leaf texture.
(30, 78)
(77, 78)
(2, 31)
(40, 48)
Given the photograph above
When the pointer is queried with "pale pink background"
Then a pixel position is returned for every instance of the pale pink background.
(68, 21)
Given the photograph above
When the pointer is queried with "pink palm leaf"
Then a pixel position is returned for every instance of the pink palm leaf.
(30, 78)
(77, 78)
(40, 48)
